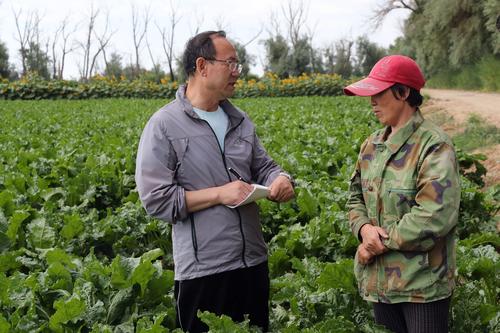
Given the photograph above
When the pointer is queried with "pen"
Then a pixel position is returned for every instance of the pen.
(237, 175)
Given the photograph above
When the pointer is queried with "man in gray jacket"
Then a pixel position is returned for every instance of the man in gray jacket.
(197, 155)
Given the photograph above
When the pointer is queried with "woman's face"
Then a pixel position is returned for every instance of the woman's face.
(387, 108)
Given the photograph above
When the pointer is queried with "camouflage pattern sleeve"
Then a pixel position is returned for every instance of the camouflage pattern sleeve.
(437, 203)
(358, 214)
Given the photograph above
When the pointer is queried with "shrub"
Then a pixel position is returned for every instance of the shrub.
(34, 87)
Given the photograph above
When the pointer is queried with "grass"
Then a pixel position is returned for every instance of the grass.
(478, 133)
(441, 118)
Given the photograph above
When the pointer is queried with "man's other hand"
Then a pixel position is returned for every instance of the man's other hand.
(281, 190)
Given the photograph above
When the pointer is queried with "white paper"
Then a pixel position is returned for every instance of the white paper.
(257, 193)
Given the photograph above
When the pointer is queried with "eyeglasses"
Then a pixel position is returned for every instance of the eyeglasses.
(233, 65)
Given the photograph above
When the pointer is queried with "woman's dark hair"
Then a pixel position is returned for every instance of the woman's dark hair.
(200, 45)
(414, 98)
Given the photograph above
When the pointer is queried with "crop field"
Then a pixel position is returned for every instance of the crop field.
(79, 254)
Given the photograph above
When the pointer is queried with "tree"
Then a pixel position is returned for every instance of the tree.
(180, 72)
(388, 6)
(27, 36)
(367, 54)
(300, 59)
(342, 57)
(90, 50)
(448, 34)
(138, 34)
(293, 54)
(114, 67)
(245, 59)
(4, 61)
(338, 58)
(167, 38)
(37, 60)
(492, 12)
(60, 48)
(277, 51)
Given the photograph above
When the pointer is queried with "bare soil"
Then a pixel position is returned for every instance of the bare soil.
(451, 108)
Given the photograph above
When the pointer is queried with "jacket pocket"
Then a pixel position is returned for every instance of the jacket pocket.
(194, 240)
(401, 200)
(180, 146)
(239, 152)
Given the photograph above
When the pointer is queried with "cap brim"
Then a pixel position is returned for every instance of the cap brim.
(367, 87)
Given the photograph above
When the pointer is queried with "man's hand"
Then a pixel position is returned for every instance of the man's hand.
(233, 193)
(364, 257)
(372, 242)
(281, 190)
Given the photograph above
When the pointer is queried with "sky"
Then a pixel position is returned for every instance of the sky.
(329, 20)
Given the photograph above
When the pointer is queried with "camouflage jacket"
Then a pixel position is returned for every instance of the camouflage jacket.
(408, 185)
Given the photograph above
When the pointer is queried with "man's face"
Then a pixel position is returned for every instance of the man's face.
(220, 79)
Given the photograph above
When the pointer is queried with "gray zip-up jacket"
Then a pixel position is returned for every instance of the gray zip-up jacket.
(179, 152)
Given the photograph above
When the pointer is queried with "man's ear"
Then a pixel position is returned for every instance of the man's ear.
(201, 65)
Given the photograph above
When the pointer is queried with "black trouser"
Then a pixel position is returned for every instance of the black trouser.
(233, 293)
(414, 317)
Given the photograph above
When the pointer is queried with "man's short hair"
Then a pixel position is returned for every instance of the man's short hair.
(200, 45)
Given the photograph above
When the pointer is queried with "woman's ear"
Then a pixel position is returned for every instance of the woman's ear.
(401, 93)
(406, 93)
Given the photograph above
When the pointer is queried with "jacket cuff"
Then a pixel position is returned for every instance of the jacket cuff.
(181, 213)
(356, 227)
(272, 176)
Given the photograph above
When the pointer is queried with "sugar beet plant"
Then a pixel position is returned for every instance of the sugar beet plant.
(79, 254)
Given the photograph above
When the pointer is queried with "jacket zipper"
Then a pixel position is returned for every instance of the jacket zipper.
(223, 156)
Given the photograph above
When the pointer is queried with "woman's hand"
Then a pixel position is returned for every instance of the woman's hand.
(364, 256)
(372, 239)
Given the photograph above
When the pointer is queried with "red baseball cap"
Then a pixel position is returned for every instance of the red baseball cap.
(386, 72)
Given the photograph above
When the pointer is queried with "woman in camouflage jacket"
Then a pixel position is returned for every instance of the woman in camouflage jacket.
(403, 205)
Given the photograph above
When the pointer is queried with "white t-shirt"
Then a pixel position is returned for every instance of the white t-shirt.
(218, 120)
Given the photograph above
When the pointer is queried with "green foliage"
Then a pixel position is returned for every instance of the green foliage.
(479, 76)
(79, 254)
(491, 10)
(477, 133)
(475, 305)
(224, 324)
(471, 167)
(487, 69)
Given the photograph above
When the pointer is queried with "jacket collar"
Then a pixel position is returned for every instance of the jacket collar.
(395, 142)
(235, 116)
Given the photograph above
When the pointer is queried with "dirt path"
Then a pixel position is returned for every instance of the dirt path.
(451, 109)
